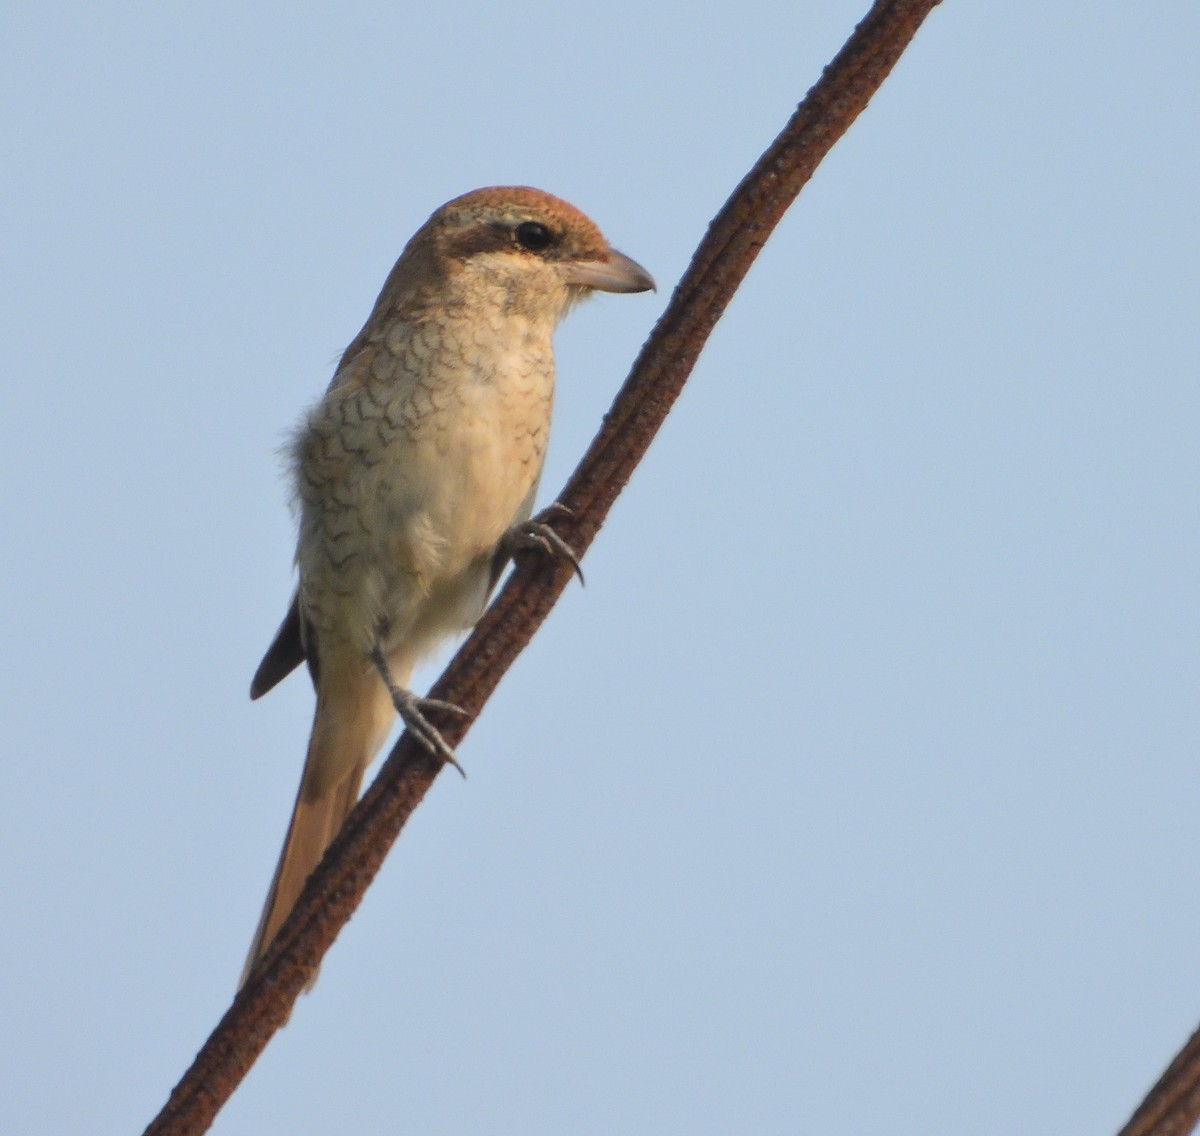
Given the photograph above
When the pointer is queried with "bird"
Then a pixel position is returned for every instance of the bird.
(415, 477)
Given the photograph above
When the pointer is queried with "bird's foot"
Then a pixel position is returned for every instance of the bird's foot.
(536, 535)
(412, 709)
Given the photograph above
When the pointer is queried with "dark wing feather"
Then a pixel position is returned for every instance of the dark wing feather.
(283, 656)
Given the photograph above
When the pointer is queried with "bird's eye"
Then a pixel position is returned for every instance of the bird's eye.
(534, 236)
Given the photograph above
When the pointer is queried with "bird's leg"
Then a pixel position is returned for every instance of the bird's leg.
(412, 709)
(536, 535)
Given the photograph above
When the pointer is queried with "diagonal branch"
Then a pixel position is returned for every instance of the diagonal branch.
(734, 239)
(1172, 1107)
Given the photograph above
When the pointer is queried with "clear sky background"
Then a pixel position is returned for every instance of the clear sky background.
(858, 790)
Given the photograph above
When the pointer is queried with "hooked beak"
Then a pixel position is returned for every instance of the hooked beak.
(614, 273)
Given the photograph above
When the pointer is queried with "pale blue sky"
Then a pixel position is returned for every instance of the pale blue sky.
(856, 792)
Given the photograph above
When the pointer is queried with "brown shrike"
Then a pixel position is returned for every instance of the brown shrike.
(413, 474)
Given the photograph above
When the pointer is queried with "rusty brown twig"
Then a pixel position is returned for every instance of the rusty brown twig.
(1172, 1107)
(721, 261)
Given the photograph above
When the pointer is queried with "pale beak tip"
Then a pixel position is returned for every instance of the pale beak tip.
(639, 279)
(616, 273)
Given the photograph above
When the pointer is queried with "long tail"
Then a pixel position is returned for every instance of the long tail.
(354, 713)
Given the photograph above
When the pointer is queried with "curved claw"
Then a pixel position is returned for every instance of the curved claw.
(444, 707)
(412, 708)
(537, 535)
(555, 508)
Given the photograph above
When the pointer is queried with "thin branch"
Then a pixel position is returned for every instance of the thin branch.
(1172, 1107)
(733, 241)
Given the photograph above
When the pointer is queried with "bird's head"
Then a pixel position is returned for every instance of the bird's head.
(538, 251)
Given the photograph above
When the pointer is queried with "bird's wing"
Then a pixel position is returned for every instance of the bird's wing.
(283, 656)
